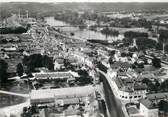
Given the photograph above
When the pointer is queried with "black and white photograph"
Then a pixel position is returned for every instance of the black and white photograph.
(83, 58)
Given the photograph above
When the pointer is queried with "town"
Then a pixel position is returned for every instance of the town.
(83, 60)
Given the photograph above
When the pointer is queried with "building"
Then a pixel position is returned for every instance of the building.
(49, 76)
(61, 96)
(148, 108)
(133, 111)
(84, 59)
(65, 102)
(126, 88)
(56, 75)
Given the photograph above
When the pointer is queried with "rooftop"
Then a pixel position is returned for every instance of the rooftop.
(132, 110)
(121, 64)
(157, 96)
(148, 103)
(129, 84)
(55, 75)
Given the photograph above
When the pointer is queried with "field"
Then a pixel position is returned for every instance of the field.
(123, 30)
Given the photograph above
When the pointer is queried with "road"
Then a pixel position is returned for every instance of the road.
(114, 105)
(12, 93)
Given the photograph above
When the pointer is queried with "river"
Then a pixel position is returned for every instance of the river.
(84, 34)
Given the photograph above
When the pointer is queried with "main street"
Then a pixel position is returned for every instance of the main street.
(114, 105)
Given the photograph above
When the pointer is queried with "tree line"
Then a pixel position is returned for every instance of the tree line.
(3, 72)
(28, 65)
(143, 42)
(37, 60)
(109, 32)
(13, 30)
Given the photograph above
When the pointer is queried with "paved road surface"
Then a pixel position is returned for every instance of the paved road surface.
(12, 93)
(113, 104)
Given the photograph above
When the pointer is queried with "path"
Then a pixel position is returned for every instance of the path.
(13, 93)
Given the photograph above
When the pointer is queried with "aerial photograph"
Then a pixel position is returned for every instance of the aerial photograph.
(83, 58)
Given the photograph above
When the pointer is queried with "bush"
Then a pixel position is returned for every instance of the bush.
(20, 69)
(37, 60)
(109, 32)
(156, 62)
(13, 30)
(3, 72)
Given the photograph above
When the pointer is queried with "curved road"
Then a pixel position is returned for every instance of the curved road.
(12, 93)
(114, 105)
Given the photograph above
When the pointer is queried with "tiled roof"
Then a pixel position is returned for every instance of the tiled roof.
(53, 75)
(157, 96)
(129, 85)
(121, 64)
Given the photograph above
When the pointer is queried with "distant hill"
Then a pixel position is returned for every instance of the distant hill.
(106, 7)
(40, 8)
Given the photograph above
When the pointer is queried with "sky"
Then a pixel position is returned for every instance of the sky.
(83, 1)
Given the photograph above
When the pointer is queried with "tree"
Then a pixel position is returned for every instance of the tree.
(151, 86)
(156, 62)
(164, 86)
(13, 30)
(66, 63)
(47, 62)
(37, 60)
(146, 81)
(131, 34)
(84, 77)
(33, 61)
(111, 61)
(145, 43)
(163, 105)
(163, 38)
(26, 112)
(3, 72)
(166, 48)
(20, 69)
(109, 32)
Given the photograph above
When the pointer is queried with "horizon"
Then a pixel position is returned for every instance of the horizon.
(84, 1)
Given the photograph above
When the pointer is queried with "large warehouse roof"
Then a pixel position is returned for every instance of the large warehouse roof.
(61, 92)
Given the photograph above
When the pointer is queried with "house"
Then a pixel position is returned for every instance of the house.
(127, 89)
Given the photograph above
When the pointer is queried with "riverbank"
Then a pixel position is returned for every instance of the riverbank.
(84, 34)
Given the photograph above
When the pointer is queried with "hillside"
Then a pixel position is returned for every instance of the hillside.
(50, 8)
